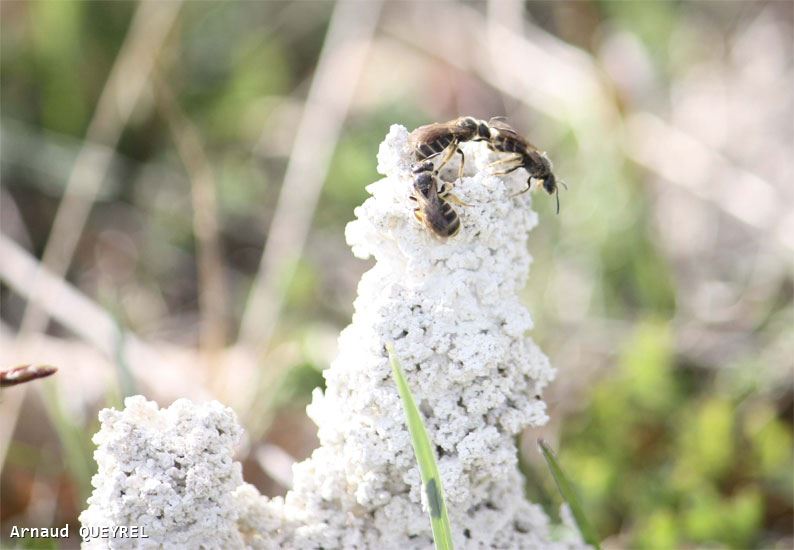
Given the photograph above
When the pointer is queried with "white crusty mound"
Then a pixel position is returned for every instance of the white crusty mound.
(452, 311)
(170, 472)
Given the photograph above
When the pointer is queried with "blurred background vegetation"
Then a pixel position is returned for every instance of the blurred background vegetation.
(152, 151)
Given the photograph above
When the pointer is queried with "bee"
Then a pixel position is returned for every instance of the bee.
(433, 208)
(505, 139)
(443, 138)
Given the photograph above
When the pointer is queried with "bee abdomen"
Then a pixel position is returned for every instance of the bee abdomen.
(430, 149)
(451, 218)
(453, 227)
(448, 212)
(424, 151)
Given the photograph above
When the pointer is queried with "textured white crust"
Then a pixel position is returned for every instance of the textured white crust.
(168, 471)
(451, 309)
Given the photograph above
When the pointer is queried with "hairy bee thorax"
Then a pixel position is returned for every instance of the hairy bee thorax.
(477, 129)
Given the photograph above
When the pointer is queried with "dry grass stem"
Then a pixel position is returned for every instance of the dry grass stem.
(213, 293)
(146, 35)
(24, 373)
(70, 307)
(341, 59)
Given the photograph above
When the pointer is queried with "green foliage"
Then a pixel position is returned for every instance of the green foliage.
(425, 458)
(652, 22)
(56, 38)
(676, 459)
(300, 286)
(658, 530)
(297, 385)
(569, 495)
(39, 543)
(352, 166)
(76, 442)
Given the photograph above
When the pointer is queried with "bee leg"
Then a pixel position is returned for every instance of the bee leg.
(506, 160)
(450, 150)
(506, 171)
(446, 194)
(557, 194)
(418, 215)
(462, 162)
(529, 185)
(455, 200)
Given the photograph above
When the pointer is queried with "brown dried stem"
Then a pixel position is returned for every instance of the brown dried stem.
(24, 373)
(206, 226)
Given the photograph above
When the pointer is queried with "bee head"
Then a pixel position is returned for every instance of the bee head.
(550, 186)
(542, 173)
(423, 183)
(422, 167)
(549, 183)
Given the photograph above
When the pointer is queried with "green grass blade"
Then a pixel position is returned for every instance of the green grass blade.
(425, 457)
(76, 443)
(569, 495)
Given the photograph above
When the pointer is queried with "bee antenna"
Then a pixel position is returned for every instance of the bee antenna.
(557, 195)
(564, 184)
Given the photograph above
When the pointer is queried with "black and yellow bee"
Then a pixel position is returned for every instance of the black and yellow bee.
(432, 198)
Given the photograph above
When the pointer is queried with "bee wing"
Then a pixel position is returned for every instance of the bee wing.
(503, 127)
(500, 124)
(510, 132)
(429, 133)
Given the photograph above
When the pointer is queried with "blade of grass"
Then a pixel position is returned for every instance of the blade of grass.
(425, 458)
(534, 487)
(76, 442)
(568, 494)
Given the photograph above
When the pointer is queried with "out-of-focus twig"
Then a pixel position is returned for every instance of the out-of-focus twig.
(147, 32)
(23, 273)
(275, 462)
(212, 282)
(24, 373)
(12, 219)
(542, 72)
(341, 61)
(745, 196)
(506, 13)
(70, 307)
